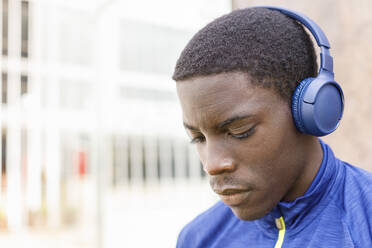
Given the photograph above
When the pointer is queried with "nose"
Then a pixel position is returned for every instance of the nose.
(218, 160)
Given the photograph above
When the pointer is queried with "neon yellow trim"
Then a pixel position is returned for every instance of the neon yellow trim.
(279, 243)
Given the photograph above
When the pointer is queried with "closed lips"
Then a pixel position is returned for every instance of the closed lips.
(234, 197)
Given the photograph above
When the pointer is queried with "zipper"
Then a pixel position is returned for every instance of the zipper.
(280, 224)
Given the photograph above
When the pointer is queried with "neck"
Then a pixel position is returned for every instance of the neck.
(312, 159)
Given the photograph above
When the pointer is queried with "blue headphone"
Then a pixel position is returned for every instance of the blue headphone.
(317, 103)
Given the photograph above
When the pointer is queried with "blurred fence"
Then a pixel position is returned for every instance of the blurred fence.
(93, 148)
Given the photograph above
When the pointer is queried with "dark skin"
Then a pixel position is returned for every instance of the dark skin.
(247, 142)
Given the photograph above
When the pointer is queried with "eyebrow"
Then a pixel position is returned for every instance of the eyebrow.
(190, 127)
(221, 124)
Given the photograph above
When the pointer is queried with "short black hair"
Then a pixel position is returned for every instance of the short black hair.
(271, 47)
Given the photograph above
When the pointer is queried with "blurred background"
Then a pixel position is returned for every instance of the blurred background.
(93, 152)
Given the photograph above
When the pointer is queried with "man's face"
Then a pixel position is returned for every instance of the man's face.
(245, 138)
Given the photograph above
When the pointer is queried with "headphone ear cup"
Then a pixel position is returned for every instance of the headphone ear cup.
(296, 103)
(317, 105)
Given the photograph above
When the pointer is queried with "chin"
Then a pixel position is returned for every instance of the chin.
(248, 214)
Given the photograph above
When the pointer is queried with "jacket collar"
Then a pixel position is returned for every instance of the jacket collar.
(300, 212)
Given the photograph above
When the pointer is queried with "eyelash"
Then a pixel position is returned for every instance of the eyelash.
(244, 135)
(197, 140)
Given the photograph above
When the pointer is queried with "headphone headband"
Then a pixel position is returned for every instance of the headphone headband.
(326, 60)
(317, 103)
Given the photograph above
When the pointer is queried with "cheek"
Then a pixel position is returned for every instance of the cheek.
(274, 141)
(200, 149)
(269, 158)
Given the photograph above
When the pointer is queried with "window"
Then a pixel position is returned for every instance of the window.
(76, 31)
(5, 28)
(75, 95)
(24, 84)
(145, 47)
(4, 88)
(3, 151)
(146, 94)
(24, 29)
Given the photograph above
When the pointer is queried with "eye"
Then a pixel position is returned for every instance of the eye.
(196, 140)
(243, 135)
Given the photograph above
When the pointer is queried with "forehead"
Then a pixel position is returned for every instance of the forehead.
(208, 100)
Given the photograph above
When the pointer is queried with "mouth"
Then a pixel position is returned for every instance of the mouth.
(233, 197)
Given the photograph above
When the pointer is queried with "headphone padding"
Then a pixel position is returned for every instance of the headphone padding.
(296, 103)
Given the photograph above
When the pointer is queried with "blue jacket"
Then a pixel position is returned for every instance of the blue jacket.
(336, 211)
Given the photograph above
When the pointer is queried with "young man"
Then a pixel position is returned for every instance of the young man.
(237, 81)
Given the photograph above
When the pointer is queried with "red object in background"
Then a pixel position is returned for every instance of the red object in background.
(82, 163)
